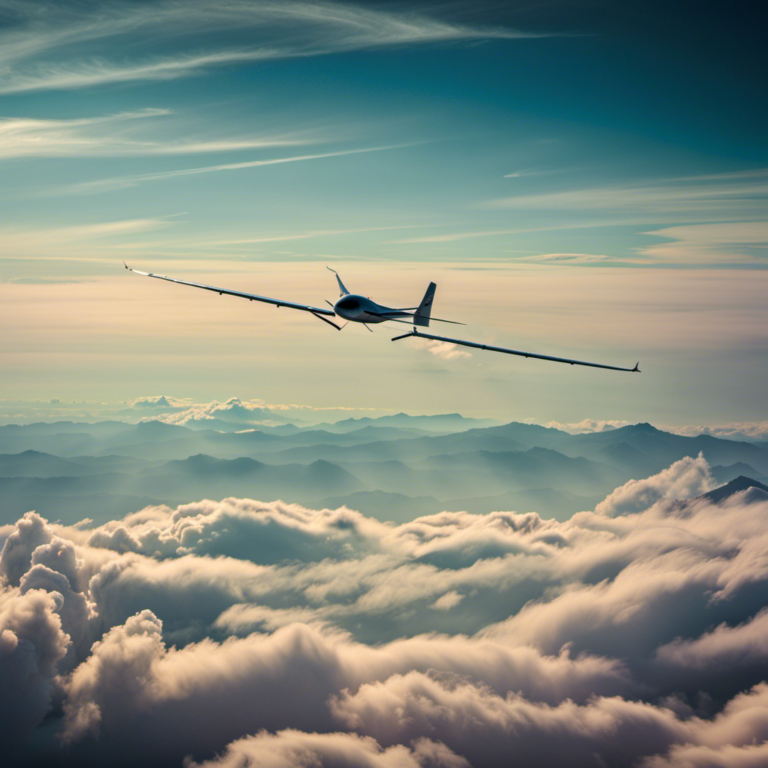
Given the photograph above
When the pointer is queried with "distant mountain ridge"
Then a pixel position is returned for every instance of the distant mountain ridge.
(737, 485)
(446, 422)
(393, 467)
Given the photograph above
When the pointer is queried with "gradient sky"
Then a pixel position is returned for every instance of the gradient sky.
(580, 178)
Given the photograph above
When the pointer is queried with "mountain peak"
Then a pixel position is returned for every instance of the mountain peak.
(739, 484)
(154, 426)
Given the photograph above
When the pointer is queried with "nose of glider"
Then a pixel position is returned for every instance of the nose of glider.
(348, 307)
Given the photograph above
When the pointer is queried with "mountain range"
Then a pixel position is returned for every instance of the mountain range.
(394, 468)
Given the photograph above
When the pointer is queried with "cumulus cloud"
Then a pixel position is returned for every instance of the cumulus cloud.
(246, 633)
(247, 530)
(22, 411)
(584, 426)
(447, 601)
(687, 477)
(160, 402)
(442, 349)
(207, 414)
(723, 645)
(16, 555)
(292, 749)
(73, 609)
(481, 725)
(32, 642)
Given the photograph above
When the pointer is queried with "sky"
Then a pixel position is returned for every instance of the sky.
(582, 179)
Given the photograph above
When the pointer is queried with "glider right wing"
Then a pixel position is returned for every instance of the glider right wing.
(421, 335)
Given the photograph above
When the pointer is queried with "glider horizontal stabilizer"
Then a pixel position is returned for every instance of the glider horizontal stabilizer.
(402, 313)
(421, 335)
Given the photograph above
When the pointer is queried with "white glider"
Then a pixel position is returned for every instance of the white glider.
(358, 309)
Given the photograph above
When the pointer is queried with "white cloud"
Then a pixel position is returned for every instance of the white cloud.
(38, 51)
(569, 258)
(685, 478)
(113, 136)
(712, 194)
(727, 242)
(31, 644)
(584, 426)
(119, 182)
(454, 236)
(16, 556)
(303, 235)
(26, 411)
(447, 601)
(76, 238)
(160, 402)
(481, 725)
(598, 640)
(232, 410)
(295, 749)
(441, 349)
(701, 203)
(723, 646)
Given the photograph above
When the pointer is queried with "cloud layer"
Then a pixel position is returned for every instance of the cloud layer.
(37, 50)
(245, 633)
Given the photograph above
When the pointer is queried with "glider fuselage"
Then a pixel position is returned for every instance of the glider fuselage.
(360, 309)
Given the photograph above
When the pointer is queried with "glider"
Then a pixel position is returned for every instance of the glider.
(359, 309)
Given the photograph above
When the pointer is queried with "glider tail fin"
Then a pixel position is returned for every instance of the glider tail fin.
(342, 287)
(421, 317)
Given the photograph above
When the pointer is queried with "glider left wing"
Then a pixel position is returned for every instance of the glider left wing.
(250, 296)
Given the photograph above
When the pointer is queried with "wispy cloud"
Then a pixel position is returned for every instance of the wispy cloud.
(714, 194)
(451, 237)
(442, 349)
(113, 135)
(120, 182)
(20, 242)
(532, 172)
(99, 72)
(744, 241)
(750, 430)
(569, 258)
(304, 235)
(585, 426)
(722, 216)
(39, 52)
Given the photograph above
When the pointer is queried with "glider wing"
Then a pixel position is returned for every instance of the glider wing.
(250, 296)
(421, 335)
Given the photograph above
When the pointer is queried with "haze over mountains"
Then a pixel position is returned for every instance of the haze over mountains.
(394, 468)
(404, 574)
(634, 633)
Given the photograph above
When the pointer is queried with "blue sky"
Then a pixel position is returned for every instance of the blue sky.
(548, 149)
